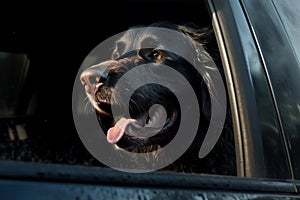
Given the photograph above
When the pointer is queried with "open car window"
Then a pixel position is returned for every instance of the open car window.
(38, 67)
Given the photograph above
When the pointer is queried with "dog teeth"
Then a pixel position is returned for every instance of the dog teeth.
(149, 123)
(157, 117)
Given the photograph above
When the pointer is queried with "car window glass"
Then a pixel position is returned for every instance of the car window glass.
(280, 49)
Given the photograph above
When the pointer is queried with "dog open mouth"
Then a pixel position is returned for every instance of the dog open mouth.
(146, 125)
(149, 121)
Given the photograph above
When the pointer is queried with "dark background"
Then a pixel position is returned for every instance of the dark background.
(57, 36)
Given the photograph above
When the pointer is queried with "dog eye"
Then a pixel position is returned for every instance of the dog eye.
(156, 55)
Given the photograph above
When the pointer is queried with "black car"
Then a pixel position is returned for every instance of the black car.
(42, 49)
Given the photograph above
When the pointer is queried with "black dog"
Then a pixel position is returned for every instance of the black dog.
(154, 110)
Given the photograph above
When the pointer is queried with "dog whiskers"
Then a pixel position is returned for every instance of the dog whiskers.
(88, 108)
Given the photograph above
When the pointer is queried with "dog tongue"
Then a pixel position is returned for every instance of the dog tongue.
(138, 128)
(114, 134)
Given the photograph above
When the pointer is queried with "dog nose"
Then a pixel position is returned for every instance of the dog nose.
(92, 79)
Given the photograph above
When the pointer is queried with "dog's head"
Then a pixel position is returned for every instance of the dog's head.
(150, 117)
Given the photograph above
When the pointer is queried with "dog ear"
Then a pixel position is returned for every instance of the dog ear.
(202, 35)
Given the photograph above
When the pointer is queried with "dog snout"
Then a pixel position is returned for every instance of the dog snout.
(92, 79)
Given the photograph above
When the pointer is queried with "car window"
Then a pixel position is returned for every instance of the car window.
(290, 100)
(279, 45)
(38, 66)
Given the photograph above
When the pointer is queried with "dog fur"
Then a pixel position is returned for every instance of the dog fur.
(99, 85)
